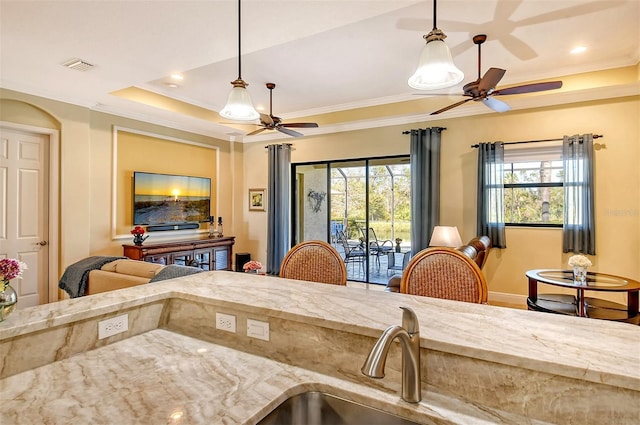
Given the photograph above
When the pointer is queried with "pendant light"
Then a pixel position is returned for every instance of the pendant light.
(239, 106)
(436, 69)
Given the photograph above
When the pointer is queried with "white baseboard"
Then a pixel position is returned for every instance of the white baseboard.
(506, 298)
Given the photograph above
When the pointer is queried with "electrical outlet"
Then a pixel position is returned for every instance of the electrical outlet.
(258, 329)
(113, 326)
(226, 322)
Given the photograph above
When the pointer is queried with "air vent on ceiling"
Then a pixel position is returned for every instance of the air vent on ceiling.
(78, 65)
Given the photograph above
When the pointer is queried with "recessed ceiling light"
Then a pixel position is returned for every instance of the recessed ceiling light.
(172, 85)
(578, 49)
(176, 76)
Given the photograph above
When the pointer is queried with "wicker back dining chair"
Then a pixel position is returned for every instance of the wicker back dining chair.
(444, 273)
(314, 261)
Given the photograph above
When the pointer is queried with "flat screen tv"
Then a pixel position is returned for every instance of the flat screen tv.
(170, 199)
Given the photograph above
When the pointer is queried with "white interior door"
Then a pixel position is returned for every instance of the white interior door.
(24, 159)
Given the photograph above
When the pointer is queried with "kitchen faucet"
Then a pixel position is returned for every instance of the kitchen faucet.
(409, 336)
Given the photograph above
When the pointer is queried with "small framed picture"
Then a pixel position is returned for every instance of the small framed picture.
(257, 200)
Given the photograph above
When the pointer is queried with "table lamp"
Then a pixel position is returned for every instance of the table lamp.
(445, 236)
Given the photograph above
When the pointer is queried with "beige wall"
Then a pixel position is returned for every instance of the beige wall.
(86, 167)
(149, 153)
(617, 181)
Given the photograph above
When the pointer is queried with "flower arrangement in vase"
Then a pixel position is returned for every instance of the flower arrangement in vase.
(9, 269)
(252, 267)
(137, 233)
(579, 264)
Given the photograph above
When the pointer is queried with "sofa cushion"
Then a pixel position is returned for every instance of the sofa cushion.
(102, 281)
(133, 267)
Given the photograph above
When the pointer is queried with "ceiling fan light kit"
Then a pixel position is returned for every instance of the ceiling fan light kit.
(239, 106)
(436, 69)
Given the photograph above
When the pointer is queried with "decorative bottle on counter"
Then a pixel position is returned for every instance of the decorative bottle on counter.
(212, 227)
(219, 227)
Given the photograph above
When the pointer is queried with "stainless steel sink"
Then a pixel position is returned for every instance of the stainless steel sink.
(316, 408)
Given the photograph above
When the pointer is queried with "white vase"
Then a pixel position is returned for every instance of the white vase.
(580, 274)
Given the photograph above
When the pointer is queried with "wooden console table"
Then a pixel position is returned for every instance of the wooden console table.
(582, 306)
(205, 253)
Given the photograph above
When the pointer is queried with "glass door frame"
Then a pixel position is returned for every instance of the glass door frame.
(331, 164)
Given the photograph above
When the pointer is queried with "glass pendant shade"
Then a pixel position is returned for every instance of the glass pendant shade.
(436, 69)
(239, 106)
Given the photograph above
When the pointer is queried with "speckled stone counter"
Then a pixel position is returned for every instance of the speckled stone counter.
(480, 364)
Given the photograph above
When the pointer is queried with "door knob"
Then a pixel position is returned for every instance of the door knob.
(42, 243)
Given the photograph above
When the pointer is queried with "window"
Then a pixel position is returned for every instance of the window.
(546, 185)
(533, 188)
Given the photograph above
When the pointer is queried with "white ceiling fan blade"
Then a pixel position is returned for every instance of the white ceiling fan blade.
(495, 104)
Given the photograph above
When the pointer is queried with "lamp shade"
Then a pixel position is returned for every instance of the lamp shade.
(436, 69)
(445, 236)
(239, 106)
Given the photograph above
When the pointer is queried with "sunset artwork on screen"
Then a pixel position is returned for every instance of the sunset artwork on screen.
(170, 199)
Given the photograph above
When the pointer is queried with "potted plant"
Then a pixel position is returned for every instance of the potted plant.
(579, 264)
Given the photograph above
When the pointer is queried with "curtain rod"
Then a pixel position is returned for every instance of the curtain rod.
(279, 145)
(439, 128)
(595, 136)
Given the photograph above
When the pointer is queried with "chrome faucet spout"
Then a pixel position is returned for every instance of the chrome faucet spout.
(409, 336)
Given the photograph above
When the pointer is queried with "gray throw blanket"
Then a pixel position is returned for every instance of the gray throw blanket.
(172, 271)
(75, 277)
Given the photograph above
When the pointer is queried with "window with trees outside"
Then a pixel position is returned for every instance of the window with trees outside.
(533, 188)
(360, 206)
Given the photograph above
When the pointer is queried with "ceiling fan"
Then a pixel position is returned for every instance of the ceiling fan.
(271, 122)
(483, 89)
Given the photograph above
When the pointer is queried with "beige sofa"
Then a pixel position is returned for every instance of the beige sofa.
(120, 274)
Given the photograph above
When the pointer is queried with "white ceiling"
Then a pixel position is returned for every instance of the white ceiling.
(323, 55)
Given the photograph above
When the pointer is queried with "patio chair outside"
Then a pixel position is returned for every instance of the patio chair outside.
(393, 266)
(377, 247)
(353, 254)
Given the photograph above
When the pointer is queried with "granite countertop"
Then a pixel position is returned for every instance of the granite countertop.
(161, 377)
(160, 371)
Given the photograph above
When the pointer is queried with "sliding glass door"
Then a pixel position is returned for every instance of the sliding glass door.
(359, 206)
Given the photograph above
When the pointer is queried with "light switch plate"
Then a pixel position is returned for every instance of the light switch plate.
(258, 329)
